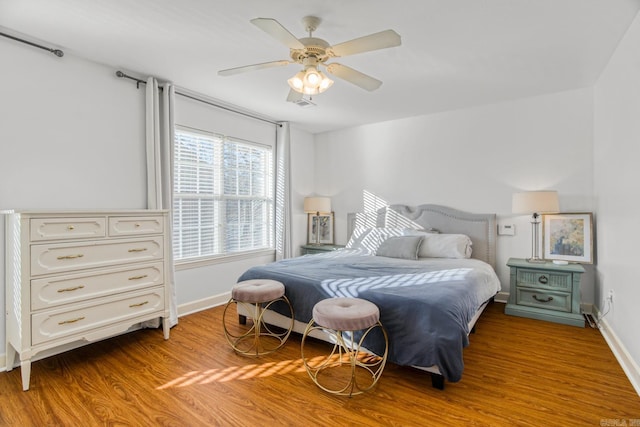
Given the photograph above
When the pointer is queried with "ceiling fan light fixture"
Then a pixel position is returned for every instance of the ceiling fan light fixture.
(325, 83)
(310, 81)
(308, 90)
(312, 77)
(297, 82)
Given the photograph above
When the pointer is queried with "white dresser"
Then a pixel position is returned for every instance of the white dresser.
(81, 276)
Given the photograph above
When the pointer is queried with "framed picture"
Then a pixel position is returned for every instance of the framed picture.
(320, 229)
(568, 237)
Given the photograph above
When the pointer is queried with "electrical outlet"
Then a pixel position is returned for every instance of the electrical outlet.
(610, 295)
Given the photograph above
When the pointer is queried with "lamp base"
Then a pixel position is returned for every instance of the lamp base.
(536, 260)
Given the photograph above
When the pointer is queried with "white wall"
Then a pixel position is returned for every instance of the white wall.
(472, 159)
(617, 178)
(302, 182)
(72, 133)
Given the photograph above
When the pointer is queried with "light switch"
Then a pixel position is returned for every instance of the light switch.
(506, 229)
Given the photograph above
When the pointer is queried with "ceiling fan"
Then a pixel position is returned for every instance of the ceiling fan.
(313, 53)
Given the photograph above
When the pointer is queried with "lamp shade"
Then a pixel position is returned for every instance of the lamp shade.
(530, 202)
(297, 82)
(317, 204)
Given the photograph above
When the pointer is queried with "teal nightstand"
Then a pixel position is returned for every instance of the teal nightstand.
(318, 249)
(545, 291)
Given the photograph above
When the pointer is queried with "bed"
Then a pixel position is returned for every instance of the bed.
(429, 268)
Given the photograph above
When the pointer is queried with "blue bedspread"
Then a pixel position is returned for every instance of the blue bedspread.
(425, 305)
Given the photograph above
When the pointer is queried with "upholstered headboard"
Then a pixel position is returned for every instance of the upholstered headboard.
(481, 228)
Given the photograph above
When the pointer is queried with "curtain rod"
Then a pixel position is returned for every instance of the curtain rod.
(56, 52)
(138, 82)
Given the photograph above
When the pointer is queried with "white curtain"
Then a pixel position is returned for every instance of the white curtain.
(283, 192)
(159, 137)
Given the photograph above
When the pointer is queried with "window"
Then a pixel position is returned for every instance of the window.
(223, 195)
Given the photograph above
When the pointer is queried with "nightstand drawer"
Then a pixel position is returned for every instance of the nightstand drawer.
(550, 300)
(544, 279)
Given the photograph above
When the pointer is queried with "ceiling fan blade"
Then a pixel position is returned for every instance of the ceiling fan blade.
(294, 96)
(353, 76)
(244, 69)
(381, 40)
(278, 32)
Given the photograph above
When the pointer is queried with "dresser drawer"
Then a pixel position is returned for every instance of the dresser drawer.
(66, 228)
(81, 318)
(131, 226)
(544, 279)
(55, 258)
(58, 290)
(550, 300)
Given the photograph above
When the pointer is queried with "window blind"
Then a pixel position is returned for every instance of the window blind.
(223, 195)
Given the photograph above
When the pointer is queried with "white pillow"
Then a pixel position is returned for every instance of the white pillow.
(445, 246)
(368, 239)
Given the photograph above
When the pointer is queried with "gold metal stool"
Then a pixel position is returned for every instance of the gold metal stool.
(349, 369)
(255, 296)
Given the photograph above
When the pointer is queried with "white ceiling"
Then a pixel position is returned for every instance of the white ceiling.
(454, 53)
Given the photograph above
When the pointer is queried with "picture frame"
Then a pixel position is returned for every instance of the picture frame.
(320, 229)
(568, 237)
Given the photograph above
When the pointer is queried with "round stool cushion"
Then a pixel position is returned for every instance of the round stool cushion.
(346, 314)
(257, 290)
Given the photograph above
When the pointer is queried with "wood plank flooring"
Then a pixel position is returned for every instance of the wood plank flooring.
(517, 372)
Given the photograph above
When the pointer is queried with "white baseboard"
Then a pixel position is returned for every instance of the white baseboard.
(502, 297)
(629, 366)
(203, 304)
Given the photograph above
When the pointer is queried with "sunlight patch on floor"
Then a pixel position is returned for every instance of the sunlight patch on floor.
(233, 373)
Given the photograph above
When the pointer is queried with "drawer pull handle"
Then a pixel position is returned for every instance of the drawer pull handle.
(137, 225)
(139, 304)
(71, 289)
(77, 319)
(138, 277)
(549, 299)
(70, 256)
(543, 279)
(71, 227)
(137, 250)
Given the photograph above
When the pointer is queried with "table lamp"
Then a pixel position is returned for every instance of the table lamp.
(535, 203)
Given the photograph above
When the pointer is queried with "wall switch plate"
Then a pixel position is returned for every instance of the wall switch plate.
(506, 229)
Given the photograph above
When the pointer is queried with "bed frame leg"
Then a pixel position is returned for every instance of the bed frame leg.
(437, 381)
(242, 319)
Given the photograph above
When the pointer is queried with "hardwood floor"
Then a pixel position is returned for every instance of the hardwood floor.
(517, 372)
